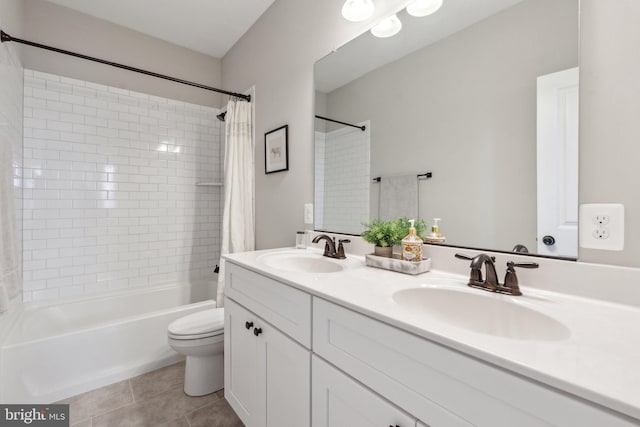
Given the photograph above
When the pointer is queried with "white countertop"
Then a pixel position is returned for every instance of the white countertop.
(598, 360)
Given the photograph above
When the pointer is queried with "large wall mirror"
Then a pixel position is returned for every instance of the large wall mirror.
(483, 96)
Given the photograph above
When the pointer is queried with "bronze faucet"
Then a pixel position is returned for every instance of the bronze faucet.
(491, 283)
(330, 246)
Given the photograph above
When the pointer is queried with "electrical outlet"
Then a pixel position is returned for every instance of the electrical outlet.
(601, 226)
(601, 219)
(601, 233)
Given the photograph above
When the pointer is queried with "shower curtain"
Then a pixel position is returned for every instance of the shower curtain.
(238, 229)
(10, 271)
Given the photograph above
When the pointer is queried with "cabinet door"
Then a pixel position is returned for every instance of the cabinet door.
(267, 374)
(240, 364)
(340, 401)
(286, 380)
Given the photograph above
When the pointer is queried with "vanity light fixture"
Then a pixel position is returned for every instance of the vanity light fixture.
(421, 8)
(358, 10)
(387, 27)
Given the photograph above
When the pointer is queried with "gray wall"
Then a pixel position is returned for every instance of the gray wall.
(610, 117)
(57, 26)
(278, 53)
(465, 109)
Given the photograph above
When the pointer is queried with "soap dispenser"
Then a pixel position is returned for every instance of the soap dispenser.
(412, 245)
(435, 236)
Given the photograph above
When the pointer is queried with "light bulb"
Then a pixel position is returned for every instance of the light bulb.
(358, 10)
(424, 7)
(387, 27)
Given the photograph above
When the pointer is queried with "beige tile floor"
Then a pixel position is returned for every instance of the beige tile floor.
(154, 399)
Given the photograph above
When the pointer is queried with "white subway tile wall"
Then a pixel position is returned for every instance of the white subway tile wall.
(344, 197)
(11, 140)
(110, 200)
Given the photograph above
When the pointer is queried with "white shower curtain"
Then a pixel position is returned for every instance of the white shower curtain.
(10, 271)
(238, 229)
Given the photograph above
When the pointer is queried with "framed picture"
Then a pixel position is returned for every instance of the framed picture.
(276, 150)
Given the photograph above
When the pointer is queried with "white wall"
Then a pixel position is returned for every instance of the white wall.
(11, 144)
(277, 55)
(61, 27)
(610, 117)
(110, 200)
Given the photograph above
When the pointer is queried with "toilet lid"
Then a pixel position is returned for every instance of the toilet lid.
(203, 322)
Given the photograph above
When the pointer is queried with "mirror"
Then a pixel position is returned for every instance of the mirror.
(482, 96)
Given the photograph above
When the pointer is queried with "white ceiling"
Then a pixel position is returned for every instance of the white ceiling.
(208, 26)
(366, 52)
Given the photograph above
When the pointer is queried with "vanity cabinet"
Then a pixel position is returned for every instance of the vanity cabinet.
(293, 359)
(340, 401)
(440, 386)
(267, 373)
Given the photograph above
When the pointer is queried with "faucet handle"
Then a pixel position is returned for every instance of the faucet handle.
(511, 279)
(340, 252)
(468, 258)
(511, 265)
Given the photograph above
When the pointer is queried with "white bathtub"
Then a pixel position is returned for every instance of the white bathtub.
(51, 352)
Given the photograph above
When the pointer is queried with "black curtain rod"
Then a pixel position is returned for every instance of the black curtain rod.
(362, 128)
(7, 38)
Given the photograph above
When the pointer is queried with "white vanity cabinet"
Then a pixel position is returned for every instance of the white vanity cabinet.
(339, 401)
(440, 386)
(267, 373)
(315, 362)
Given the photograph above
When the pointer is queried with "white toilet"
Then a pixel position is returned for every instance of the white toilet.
(200, 337)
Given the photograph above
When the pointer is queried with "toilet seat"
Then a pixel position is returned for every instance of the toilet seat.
(203, 324)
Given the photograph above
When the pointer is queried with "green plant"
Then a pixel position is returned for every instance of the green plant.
(383, 233)
(389, 233)
(404, 225)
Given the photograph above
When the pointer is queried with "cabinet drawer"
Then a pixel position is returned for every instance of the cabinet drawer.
(339, 401)
(440, 386)
(286, 308)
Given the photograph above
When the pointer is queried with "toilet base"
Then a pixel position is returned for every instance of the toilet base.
(204, 375)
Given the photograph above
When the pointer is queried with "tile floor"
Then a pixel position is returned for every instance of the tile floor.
(154, 399)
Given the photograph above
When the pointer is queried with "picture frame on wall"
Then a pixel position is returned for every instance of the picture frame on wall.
(276, 150)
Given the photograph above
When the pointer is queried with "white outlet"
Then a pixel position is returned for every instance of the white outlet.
(602, 226)
(601, 233)
(601, 219)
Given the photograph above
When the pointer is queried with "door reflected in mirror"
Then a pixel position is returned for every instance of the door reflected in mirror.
(484, 95)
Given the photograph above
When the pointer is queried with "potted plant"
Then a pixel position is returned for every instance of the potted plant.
(383, 234)
(404, 225)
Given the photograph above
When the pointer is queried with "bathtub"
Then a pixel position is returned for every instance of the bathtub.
(54, 351)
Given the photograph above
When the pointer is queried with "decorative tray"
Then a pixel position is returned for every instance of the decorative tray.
(397, 264)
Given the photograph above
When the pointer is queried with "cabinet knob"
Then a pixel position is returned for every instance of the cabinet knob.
(248, 325)
(257, 331)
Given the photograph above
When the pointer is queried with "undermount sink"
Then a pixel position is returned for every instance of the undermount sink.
(300, 262)
(486, 313)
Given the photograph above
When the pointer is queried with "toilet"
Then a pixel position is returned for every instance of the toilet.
(200, 337)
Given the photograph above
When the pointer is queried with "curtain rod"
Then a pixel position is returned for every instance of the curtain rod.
(362, 128)
(4, 37)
